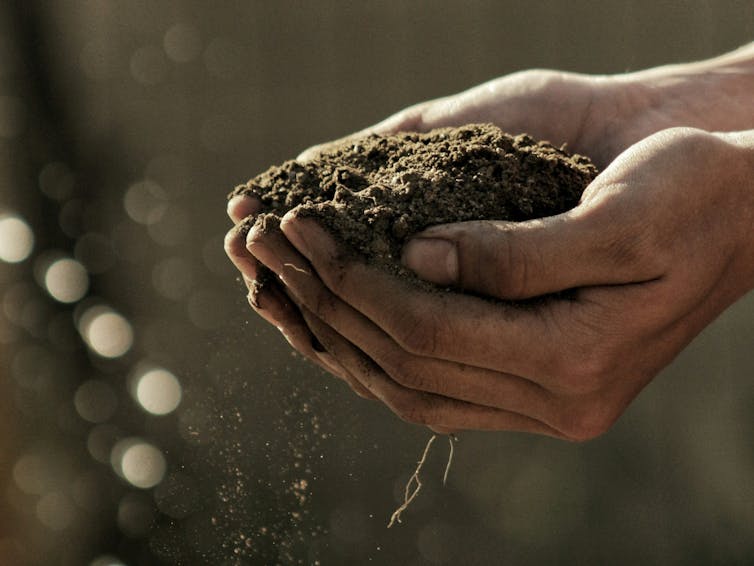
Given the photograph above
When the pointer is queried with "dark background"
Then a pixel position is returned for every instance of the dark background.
(197, 96)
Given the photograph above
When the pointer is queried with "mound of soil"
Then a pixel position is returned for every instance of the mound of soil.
(373, 194)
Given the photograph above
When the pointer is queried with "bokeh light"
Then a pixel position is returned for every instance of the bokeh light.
(172, 228)
(182, 43)
(56, 511)
(136, 514)
(56, 181)
(95, 401)
(100, 442)
(66, 280)
(16, 239)
(148, 65)
(173, 278)
(33, 472)
(138, 462)
(145, 202)
(106, 332)
(158, 391)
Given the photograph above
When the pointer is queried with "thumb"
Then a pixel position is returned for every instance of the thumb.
(519, 260)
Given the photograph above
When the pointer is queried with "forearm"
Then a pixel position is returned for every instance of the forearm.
(714, 95)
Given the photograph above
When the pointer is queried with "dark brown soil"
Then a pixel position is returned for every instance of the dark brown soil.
(375, 193)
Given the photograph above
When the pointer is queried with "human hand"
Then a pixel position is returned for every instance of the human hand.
(599, 116)
(506, 101)
(659, 246)
(549, 104)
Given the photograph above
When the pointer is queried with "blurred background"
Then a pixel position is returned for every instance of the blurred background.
(146, 415)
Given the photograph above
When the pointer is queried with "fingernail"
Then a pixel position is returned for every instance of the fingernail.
(291, 225)
(262, 252)
(432, 259)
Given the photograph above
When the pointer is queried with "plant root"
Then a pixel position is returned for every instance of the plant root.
(415, 481)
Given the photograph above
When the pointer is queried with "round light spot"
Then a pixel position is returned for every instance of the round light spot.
(145, 202)
(141, 464)
(16, 239)
(106, 332)
(158, 391)
(95, 401)
(55, 511)
(56, 181)
(172, 278)
(66, 280)
(182, 43)
(148, 65)
(100, 442)
(172, 228)
(33, 474)
(71, 218)
(136, 514)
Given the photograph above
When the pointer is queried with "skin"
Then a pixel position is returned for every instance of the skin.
(658, 247)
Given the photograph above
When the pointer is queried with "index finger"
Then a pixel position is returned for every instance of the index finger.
(445, 325)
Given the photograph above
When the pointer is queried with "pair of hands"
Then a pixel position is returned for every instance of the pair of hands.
(658, 247)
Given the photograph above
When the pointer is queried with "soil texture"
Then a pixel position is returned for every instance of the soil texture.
(375, 193)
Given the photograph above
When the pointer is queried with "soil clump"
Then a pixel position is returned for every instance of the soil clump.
(375, 193)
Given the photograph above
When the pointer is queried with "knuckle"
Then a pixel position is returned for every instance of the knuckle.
(415, 334)
(637, 249)
(585, 376)
(408, 372)
(514, 263)
(321, 302)
(336, 275)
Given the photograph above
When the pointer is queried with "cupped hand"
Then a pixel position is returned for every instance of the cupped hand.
(548, 104)
(561, 107)
(658, 247)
